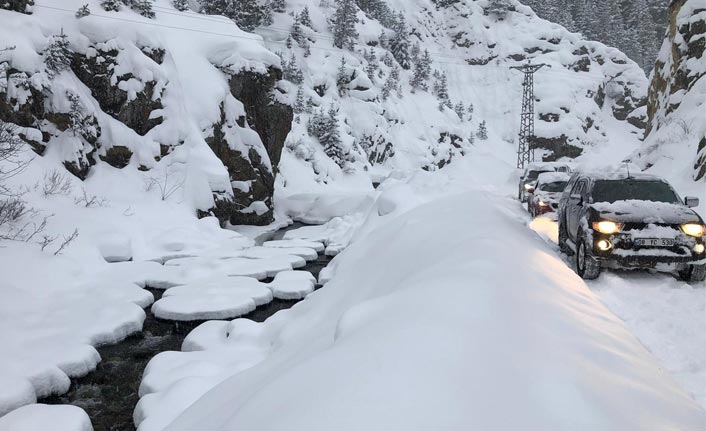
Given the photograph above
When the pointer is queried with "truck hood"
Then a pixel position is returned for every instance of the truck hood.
(645, 212)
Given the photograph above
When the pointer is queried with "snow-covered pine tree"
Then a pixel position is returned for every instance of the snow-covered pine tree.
(342, 77)
(291, 71)
(482, 132)
(296, 32)
(382, 39)
(181, 5)
(399, 44)
(79, 122)
(277, 6)
(143, 7)
(460, 109)
(387, 59)
(471, 139)
(288, 42)
(344, 21)
(422, 70)
(331, 140)
(372, 60)
(299, 102)
(309, 105)
(442, 93)
(83, 11)
(111, 5)
(304, 17)
(470, 111)
(306, 46)
(414, 53)
(57, 55)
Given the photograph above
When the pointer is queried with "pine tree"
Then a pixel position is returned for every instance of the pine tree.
(57, 55)
(331, 140)
(299, 103)
(414, 53)
(288, 42)
(181, 5)
(307, 48)
(471, 139)
(342, 77)
(498, 8)
(304, 18)
(79, 123)
(291, 71)
(387, 59)
(296, 32)
(442, 93)
(382, 39)
(344, 32)
(83, 11)
(143, 7)
(372, 60)
(470, 111)
(110, 5)
(460, 109)
(482, 132)
(422, 70)
(391, 83)
(399, 44)
(277, 6)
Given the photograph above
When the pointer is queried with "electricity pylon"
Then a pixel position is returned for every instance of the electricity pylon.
(525, 151)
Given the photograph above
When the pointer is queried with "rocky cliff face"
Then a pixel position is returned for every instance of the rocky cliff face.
(201, 116)
(676, 130)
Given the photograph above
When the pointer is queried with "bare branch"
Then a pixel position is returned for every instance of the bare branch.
(67, 240)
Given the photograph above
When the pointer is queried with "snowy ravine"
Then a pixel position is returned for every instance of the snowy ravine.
(446, 312)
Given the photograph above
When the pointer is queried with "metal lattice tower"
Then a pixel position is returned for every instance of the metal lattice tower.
(525, 152)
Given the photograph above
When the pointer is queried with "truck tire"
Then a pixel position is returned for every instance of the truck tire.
(693, 273)
(587, 266)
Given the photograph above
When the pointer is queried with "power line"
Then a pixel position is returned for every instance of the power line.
(463, 61)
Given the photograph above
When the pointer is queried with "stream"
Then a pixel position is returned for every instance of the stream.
(110, 392)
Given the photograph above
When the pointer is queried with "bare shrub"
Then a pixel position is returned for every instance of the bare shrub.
(166, 185)
(56, 183)
(11, 161)
(90, 201)
(66, 241)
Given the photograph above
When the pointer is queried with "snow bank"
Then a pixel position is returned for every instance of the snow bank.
(42, 417)
(424, 327)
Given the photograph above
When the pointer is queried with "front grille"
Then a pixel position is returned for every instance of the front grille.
(640, 226)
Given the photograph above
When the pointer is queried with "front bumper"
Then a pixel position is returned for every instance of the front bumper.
(625, 253)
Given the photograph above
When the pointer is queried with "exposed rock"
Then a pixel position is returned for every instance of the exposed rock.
(549, 117)
(96, 73)
(558, 146)
(117, 156)
(17, 5)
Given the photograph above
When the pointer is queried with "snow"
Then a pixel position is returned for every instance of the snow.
(41, 417)
(292, 285)
(362, 340)
(647, 211)
(213, 298)
(294, 243)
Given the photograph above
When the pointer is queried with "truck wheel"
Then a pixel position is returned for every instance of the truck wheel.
(693, 273)
(587, 267)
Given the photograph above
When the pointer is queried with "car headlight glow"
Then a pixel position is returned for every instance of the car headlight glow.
(694, 229)
(541, 203)
(607, 227)
(528, 186)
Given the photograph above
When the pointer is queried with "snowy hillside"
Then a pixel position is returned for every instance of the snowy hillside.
(585, 100)
(675, 141)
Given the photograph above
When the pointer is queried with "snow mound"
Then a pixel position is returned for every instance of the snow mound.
(423, 327)
(290, 285)
(42, 417)
(215, 298)
(294, 243)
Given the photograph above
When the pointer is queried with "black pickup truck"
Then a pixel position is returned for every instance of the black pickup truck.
(631, 221)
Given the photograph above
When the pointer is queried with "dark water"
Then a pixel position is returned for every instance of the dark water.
(109, 394)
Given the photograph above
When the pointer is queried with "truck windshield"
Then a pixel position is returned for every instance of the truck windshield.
(532, 175)
(631, 189)
(553, 187)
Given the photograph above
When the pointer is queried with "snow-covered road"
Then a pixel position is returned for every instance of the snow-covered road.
(667, 315)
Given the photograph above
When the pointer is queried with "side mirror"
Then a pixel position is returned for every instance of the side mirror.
(530, 189)
(576, 199)
(691, 201)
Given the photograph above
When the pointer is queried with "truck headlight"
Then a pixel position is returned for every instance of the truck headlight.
(541, 203)
(694, 229)
(607, 227)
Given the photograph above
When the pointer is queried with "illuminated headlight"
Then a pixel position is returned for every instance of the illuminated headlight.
(604, 245)
(694, 229)
(699, 248)
(528, 186)
(541, 203)
(607, 227)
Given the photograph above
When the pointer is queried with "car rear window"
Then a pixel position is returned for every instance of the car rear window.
(532, 175)
(556, 186)
(631, 189)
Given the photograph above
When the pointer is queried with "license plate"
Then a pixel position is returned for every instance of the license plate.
(654, 242)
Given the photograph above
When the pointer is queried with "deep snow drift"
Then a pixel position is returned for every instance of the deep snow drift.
(423, 327)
